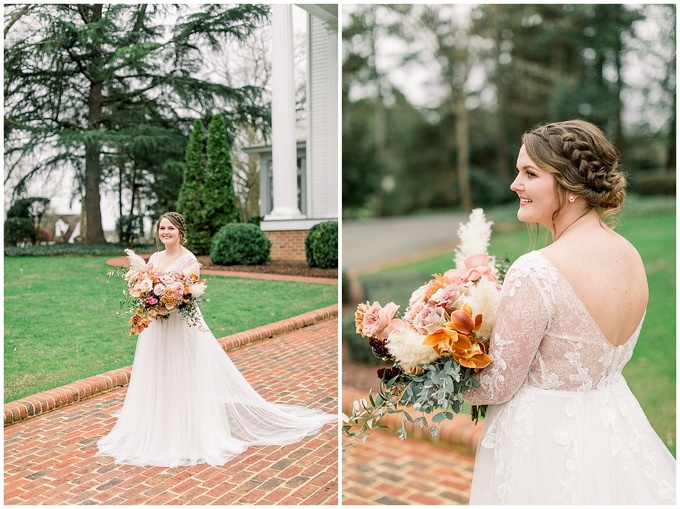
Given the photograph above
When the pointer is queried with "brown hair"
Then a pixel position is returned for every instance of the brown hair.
(582, 161)
(178, 221)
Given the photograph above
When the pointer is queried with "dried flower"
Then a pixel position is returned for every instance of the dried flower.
(406, 345)
(474, 237)
(359, 317)
(137, 263)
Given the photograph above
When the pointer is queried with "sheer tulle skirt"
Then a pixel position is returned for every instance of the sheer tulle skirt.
(187, 403)
(553, 447)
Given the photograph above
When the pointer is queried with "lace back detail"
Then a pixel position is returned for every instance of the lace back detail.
(545, 338)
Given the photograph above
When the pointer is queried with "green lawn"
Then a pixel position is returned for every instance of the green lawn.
(61, 320)
(651, 371)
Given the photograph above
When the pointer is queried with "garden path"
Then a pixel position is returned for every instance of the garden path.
(50, 458)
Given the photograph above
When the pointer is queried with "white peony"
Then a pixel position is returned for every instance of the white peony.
(406, 345)
(137, 263)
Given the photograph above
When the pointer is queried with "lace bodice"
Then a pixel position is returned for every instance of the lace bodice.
(185, 263)
(544, 337)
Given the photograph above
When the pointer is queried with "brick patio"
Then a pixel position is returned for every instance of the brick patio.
(50, 459)
(420, 470)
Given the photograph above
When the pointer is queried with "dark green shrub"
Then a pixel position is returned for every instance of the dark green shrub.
(129, 228)
(321, 245)
(19, 229)
(240, 244)
(346, 288)
(29, 208)
(654, 184)
(256, 220)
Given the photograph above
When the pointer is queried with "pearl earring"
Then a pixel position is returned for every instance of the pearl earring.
(572, 199)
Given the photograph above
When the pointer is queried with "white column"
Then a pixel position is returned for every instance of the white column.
(332, 108)
(284, 147)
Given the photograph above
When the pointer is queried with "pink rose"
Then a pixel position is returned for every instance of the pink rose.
(380, 322)
(429, 320)
(454, 276)
(177, 288)
(413, 311)
(135, 292)
(153, 301)
(446, 297)
(158, 289)
(478, 266)
(165, 279)
(145, 285)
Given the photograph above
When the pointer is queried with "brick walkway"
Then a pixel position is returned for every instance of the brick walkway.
(50, 459)
(419, 470)
(388, 471)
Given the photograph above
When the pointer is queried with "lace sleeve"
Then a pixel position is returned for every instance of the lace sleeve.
(522, 320)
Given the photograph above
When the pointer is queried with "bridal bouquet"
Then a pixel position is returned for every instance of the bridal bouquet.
(153, 295)
(439, 342)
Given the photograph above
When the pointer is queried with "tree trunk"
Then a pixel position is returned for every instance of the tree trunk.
(93, 214)
(380, 117)
(121, 174)
(463, 142)
(95, 232)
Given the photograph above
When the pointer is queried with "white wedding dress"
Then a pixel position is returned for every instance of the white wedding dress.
(562, 426)
(187, 403)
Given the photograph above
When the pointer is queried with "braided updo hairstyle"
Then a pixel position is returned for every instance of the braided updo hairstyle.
(582, 161)
(178, 221)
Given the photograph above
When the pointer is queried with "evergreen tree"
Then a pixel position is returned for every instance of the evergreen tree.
(191, 202)
(220, 196)
(78, 77)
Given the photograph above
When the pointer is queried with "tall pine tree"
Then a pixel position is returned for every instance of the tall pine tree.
(74, 73)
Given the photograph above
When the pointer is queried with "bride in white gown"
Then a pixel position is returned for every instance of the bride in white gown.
(187, 403)
(562, 426)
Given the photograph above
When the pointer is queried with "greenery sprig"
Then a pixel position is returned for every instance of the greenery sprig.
(439, 388)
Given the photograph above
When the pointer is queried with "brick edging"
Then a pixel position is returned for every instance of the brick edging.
(460, 431)
(37, 404)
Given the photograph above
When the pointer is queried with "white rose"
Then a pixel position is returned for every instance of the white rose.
(417, 296)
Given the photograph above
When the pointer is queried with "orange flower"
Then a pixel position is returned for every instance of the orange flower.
(474, 357)
(435, 284)
(456, 338)
(138, 323)
(447, 340)
(462, 321)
